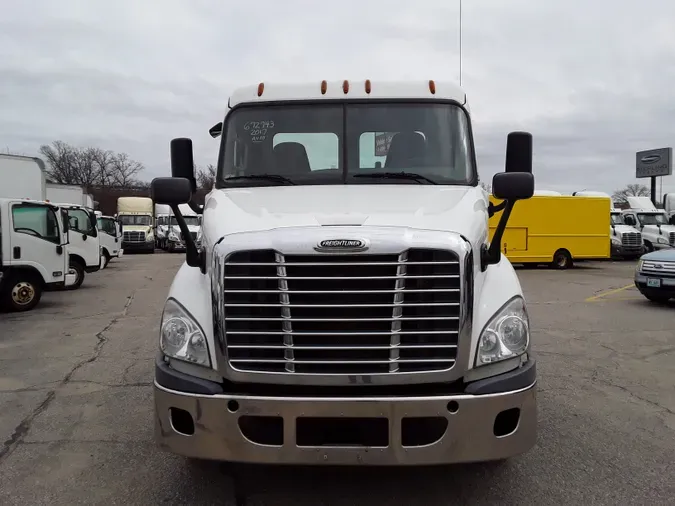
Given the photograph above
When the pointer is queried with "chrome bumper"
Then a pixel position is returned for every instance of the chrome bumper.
(469, 436)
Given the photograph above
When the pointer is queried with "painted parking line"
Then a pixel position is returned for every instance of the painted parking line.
(604, 294)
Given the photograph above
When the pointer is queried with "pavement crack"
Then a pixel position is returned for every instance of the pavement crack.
(24, 426)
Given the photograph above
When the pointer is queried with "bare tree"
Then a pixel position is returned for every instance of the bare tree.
(206, 177)
(631, 190)
(89, 166)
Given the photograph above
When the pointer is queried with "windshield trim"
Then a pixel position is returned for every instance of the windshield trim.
(345, 178)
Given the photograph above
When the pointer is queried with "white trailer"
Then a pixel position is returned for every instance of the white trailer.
(347, 305)
(33, 235)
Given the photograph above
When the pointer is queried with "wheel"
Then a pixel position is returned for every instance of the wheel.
(562, 259)
(659, 299)
(649, 246)
(106, 259)
(170, 247)
(22, 291)
(79, 271)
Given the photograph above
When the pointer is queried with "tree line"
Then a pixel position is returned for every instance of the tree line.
(96, 167)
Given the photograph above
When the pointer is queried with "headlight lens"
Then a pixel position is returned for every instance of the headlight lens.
(180, 337)
(506, 335)
(639, 265)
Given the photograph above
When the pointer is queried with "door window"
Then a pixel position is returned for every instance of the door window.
(36, 220)
(81, 223)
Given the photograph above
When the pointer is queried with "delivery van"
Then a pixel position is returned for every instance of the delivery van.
(556, 230)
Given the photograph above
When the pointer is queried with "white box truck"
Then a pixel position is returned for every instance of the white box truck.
(137, 216)
(33, 235)
(84, 247)
(110, 236)
(346, 306)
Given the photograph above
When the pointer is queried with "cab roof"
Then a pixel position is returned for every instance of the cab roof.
(361, 89)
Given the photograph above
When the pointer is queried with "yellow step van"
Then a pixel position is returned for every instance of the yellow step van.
(556, 230)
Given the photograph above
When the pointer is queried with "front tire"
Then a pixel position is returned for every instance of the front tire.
(22, 292)
(659, 299)
(79, 271)
(106, 259)
(562, 259)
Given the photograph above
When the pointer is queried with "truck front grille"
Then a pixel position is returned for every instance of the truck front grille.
(342, 314)
(672, 238)
(631, 239)
(133, 237)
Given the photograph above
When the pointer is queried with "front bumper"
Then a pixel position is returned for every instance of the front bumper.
(484, 423)
(138, 246)
(666, 284)
(621, 250)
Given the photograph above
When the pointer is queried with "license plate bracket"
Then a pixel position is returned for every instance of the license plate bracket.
(653, 283)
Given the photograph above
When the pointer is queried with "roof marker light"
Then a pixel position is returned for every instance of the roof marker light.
(368, 86)
(261, 88)
(345, 86)
(324, 87)
(432, 86)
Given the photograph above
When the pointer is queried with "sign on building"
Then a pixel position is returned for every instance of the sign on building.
(654, 162)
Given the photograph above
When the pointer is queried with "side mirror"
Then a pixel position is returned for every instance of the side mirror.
(518, 152)
(216, 130)
(171, 190)
(183, 163)
(513, 186)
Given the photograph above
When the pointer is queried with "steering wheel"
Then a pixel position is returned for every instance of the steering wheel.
(29, 230)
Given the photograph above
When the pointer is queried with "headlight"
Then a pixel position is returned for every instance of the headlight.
(506, 335)
(173, 237)
(639, 265)
(616, 240)
(180, 336)
(662, 240)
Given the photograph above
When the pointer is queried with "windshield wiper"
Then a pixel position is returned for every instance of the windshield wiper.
(398, 175)
(269, 177)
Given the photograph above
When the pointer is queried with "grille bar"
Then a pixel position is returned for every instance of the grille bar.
(341, 314)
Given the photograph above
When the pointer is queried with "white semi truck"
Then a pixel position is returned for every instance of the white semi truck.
(137, 216)
(626, 240)
(653, 223)
(33, 235)
(669, 207)
(346, 306)
(175, 240)
(162, 219)
(84, 247)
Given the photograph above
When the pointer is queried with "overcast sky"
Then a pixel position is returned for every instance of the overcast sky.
(594, 81)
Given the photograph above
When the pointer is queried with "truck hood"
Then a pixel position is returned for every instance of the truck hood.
(625, 229)
(665, 229)
(664, 255)
(458, 209)
(137, 228)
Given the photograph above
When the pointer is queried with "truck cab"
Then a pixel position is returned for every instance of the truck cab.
(84, 246)
(110, 235)
(33, 257)
(346, 306)
(137, 216)
(653, 223)
(175, 240)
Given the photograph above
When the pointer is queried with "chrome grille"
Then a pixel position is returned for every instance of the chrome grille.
(672, 238)
(631, 239)
(656, 267)
(134, 237)
(342, 314)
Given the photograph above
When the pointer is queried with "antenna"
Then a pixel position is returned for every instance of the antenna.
(460, 42)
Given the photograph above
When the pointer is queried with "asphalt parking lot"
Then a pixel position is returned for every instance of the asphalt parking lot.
(76, 418)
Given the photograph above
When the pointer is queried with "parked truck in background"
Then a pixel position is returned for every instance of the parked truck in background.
(346, 306)
(84, 247)
(653, 223)
(110, 235)
(626, 241)
(556, 230)
(162, 219)
(175, 240)
(33, 235)
(137, 216)
(669, 207)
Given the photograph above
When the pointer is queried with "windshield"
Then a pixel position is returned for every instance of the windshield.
(189, 220)
(652, 219)
(616, 219)
(323, 143)
(107, 225)
(135, 219)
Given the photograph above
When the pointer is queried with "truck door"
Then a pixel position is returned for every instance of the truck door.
(35, 240)
(83, 236)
